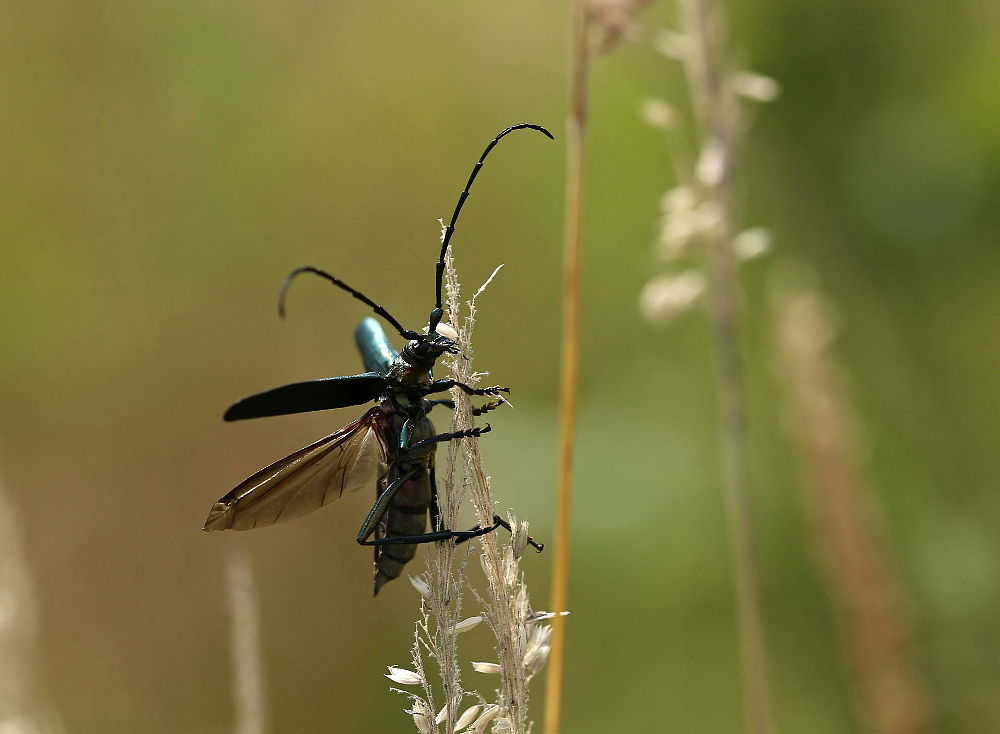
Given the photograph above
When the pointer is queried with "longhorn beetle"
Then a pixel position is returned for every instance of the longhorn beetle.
(392, 445)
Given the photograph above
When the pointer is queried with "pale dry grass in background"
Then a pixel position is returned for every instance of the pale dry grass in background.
(21, 707)
(703, 211)
(846, 526)
(250, 712)
(522, 642)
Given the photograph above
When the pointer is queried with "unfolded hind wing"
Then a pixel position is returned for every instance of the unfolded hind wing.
(352, 458)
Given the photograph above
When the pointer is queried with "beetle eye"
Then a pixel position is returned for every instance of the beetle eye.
(446, 330)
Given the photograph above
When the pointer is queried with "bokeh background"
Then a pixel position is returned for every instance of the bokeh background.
(166, 164)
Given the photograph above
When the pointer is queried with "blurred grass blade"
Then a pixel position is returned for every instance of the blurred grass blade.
(248, 669)
(20, 708)
(860, 576)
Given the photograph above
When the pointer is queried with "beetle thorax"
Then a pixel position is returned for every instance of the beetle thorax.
(413, 380)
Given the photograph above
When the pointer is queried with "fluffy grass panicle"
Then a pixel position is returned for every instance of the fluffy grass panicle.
(522, 640)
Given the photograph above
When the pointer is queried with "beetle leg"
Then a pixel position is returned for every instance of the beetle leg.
(372, 521)
(431, 537)
(446, 403)
(494, 390)
(492, 405)
(442, 385)
(441, 437)
(499, 522)
(460, 536)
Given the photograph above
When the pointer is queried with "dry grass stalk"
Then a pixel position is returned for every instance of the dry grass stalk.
(846, 527)
(598, 26)
(21, 711)
(248, 668)
(522, 643)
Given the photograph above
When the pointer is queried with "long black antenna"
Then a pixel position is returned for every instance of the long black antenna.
(437, 313)
(405, 333)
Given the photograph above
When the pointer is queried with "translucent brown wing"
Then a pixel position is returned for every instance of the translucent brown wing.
(352, 458)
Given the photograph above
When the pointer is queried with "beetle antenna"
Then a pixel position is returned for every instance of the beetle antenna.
(437, 313)
(405, 333)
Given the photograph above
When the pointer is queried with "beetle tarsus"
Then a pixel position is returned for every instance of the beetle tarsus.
(442, 437)
(492, 405)
(472, 432)
(495, 390)
(531, 541)
(498, 522)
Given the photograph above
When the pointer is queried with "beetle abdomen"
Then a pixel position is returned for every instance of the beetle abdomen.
(406, 515)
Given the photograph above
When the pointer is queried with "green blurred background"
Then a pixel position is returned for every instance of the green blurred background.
(166, 164)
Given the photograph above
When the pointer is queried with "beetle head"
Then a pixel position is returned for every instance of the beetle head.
(425, 350)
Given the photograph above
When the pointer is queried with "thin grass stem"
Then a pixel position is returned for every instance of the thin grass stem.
(576, 138)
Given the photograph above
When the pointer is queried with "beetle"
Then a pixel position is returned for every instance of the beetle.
(392, 445)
